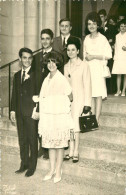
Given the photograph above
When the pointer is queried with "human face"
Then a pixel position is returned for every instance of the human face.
(46, 41)
(65, 28)
(26, 60)
(111, 22)
(92, 26)
(72, 51)
(121, 18)
(52, 65)
(123, 28)
(103, 18)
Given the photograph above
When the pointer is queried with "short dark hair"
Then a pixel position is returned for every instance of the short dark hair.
(47, 31)
(25, 49)
(94, 17)
(64, 20)
(53, 55)
(74, 41)
(114, 18)
(123, 21)
(102, 12)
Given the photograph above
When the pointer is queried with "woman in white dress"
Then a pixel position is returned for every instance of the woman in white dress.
(119, 66)
(96, 53)
(55, 116)
(78, 74)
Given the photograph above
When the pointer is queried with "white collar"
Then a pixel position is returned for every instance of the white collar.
(26, 70)
(47, 50)
(66, 37)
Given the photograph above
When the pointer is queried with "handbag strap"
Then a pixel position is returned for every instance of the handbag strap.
(90, 113)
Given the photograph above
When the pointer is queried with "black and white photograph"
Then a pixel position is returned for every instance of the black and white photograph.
(63, 97)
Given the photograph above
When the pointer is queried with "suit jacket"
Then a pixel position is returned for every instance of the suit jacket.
(57, 46)
(21, 101)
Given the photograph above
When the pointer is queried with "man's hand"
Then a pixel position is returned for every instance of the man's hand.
(12, 116)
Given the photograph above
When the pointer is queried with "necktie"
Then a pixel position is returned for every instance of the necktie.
(64, 44)
(44, 53)
(23, 76)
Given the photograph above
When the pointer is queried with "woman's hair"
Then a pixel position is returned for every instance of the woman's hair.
(53, 56)
(94, 17)
(123, 21)
(74, 41)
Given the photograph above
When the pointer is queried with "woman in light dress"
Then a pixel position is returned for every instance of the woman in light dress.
(55, 117)
(96, 53)
(119, 66)
(78, 74)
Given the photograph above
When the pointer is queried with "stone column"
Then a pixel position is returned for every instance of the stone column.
(48, 14)
(31, 26)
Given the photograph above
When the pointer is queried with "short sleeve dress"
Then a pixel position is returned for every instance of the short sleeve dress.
(55, 113)
(97, 46)
(119, 66)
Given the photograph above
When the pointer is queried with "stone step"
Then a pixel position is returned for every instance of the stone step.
(111, 105)
(113, 120)
(91, 169)
(90, 148)
(18, 184)
(114, 105)
(116, 136)
(105, 133)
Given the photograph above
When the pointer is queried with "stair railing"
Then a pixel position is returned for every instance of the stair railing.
(9, 75)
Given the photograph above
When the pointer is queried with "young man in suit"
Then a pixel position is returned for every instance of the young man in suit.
(41, 72)
(60, 42)
(21, 112)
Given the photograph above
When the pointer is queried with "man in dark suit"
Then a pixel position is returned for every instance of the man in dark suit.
(59, 43)
(41, 72)
(21, 112)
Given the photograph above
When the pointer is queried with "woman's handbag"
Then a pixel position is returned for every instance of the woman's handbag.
(88, 123)
(106, 72)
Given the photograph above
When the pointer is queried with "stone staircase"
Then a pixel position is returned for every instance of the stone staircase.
(102, 152)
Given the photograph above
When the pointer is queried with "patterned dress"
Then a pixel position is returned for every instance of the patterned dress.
(55, 116)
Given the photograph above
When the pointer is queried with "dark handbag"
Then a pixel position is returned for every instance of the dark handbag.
(88, 123)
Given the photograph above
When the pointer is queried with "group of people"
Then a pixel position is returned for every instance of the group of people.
(53, 88)
(114, 29)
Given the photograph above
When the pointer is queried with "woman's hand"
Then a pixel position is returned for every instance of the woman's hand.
(89, 57)
(124, 48)
(86, 109)
(35, 98)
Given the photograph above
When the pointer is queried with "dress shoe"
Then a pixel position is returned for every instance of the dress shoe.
(123, 94)
(21, 170)
(75, 159)
(48, 177)
(117, 94)
(29, 172)
(57, 179)
(67, 157)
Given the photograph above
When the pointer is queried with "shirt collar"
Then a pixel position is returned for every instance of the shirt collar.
(47, 50)
(26, 70)
(66, 37)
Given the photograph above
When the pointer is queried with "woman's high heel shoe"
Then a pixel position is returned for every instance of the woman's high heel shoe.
(117, 94)
(48, 177)
(57, 179)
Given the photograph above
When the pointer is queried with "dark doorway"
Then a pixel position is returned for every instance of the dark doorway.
(74, 12)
